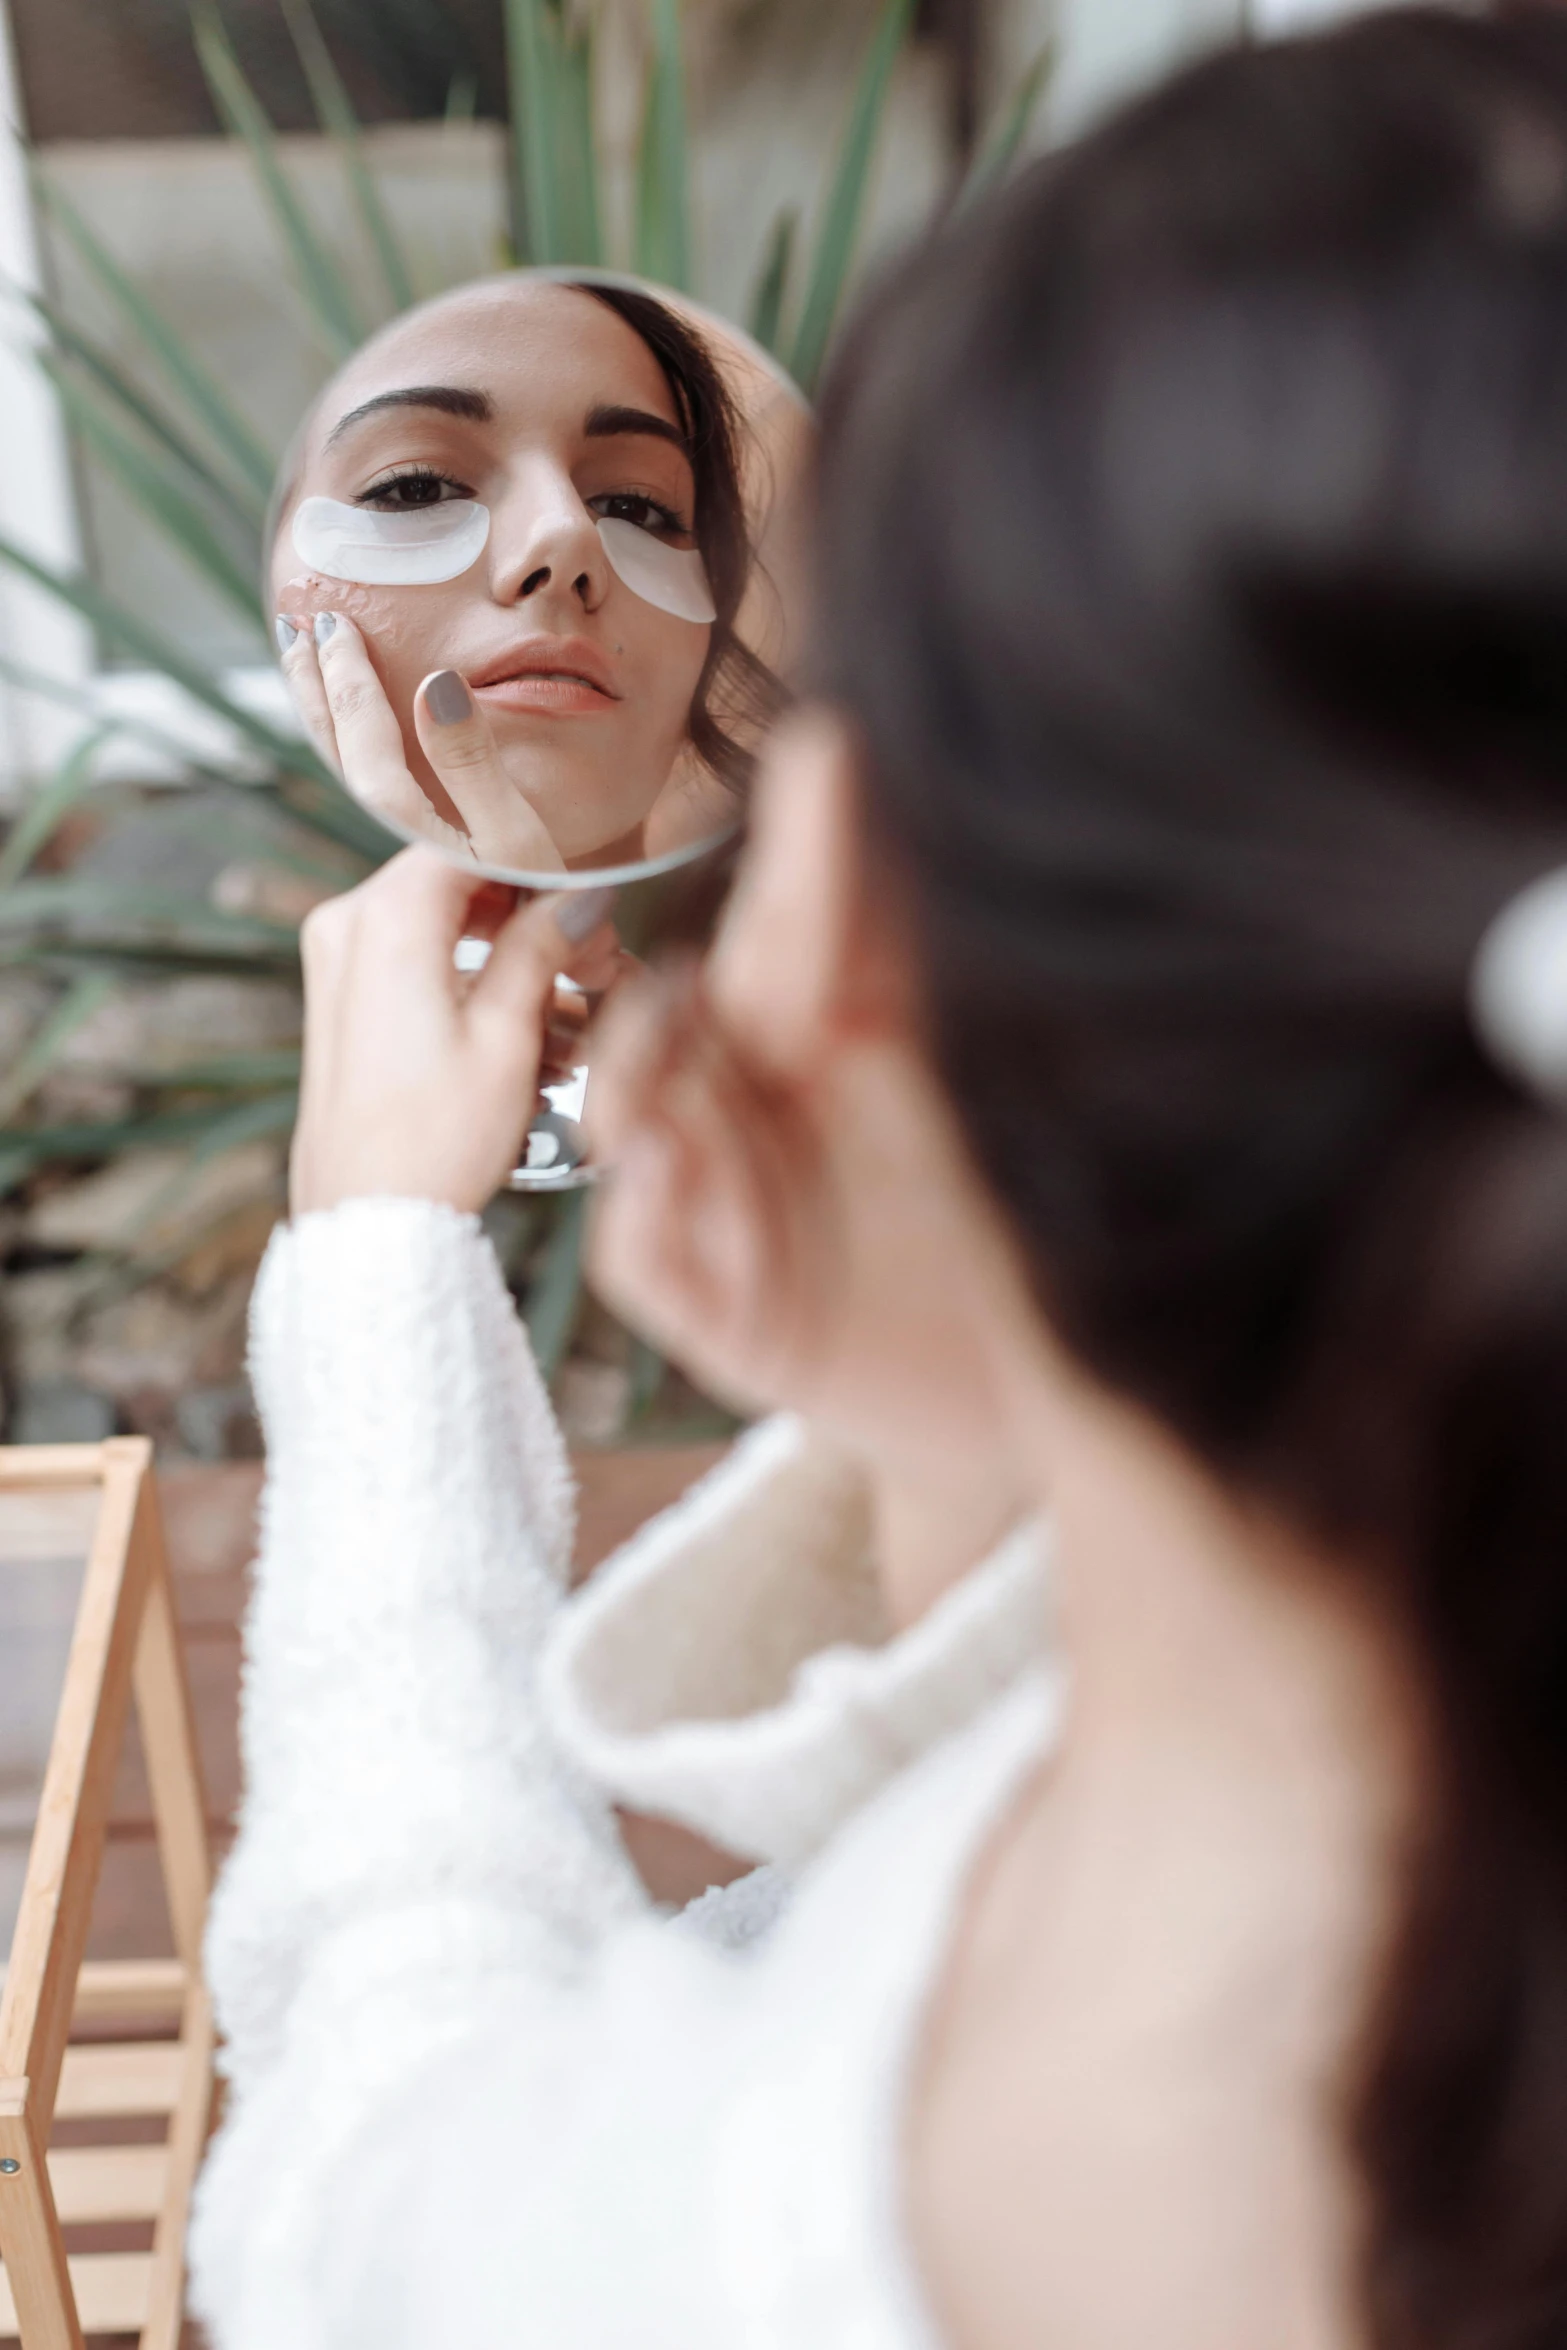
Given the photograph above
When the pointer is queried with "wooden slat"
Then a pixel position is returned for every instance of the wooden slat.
(94, 2184)
(168, 1743)
(51, 1464)
(67, 1845)
(137, 2076)
(110, 2289)
(108, 1989)
(187, 2142)
(31, 2244)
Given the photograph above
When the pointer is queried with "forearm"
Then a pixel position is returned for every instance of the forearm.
(416, 1528)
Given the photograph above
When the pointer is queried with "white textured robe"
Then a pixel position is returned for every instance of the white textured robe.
(483, 2092)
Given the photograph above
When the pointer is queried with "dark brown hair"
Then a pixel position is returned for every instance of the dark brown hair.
(1194, 569)
(737, 693)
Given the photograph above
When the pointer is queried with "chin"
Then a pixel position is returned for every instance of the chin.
(578, 851)
(560, 801)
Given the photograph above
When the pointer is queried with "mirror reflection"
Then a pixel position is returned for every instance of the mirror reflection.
(562, 516)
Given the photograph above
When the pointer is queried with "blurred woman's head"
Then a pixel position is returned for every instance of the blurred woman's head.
(1194, 596)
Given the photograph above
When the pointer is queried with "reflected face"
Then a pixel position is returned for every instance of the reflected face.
(546, 407)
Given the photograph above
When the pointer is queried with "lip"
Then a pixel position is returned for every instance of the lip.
(563, 676)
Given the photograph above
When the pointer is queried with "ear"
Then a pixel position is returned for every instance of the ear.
(780, 968)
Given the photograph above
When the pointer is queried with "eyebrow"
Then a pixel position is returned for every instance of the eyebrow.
(450, 399)
(603, 422)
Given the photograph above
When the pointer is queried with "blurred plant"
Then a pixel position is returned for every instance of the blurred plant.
(181, 450)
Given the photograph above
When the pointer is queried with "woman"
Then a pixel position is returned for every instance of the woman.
(1123, 1086)
(552, 711)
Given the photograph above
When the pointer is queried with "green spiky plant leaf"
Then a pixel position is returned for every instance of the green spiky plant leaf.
(169, 502)
(68, 345)
(331, 302)
(44, 815)
(336, 116)
(663, 225)
(86, 995)
(163, 346)
(1000, 148)
(845, 205)
(765, 320)
(556, 213)
(533, 195)
(135, 635)
(576, 157)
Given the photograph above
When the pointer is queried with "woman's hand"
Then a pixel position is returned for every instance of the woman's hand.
(347, 714)
(419, 1081)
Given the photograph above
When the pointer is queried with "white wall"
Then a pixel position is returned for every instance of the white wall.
(1109, 47)
(37, 508)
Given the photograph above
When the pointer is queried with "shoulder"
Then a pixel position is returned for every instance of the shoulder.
(644, 2155)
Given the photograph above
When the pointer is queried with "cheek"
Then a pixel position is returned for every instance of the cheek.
(666, 656)
(408, 629)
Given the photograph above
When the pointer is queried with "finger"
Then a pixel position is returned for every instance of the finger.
(455, 736)
(569, 1011)
(419, 904)
(370, 748)
(297, 654)
(517, 984)
(492, 905)
(559, 933)
(629, 1049)
(566, 1018)
(599, 964)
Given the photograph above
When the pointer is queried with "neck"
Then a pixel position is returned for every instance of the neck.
(934, 1519)
(1242, 1731)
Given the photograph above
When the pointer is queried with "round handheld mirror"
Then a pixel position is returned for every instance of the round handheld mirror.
(563, 509)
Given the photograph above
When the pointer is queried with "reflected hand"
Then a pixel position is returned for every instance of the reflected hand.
(351, 721)
(419, 1082)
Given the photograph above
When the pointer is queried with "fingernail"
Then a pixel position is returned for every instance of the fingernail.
(582, 912)
(286, 632)
(447, 699)
(325, 623)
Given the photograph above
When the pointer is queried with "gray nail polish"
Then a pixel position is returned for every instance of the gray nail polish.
(286, 632)
(447, 699)
(325, 623)
(582, 912)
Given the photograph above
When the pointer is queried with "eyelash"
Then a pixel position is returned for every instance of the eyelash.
(377, 491)
(664, 518)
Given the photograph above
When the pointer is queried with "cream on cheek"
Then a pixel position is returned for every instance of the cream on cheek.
(390, 617)
(407, 632)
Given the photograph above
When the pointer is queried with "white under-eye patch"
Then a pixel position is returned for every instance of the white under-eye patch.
(420, 546)
(417, 547)
(673, 578)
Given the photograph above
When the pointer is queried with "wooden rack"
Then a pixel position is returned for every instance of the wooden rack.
(124, 1649)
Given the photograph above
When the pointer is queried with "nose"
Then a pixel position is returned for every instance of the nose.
(545, 545)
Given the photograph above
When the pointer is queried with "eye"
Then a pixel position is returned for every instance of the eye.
(414, 485)
(637, 507)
